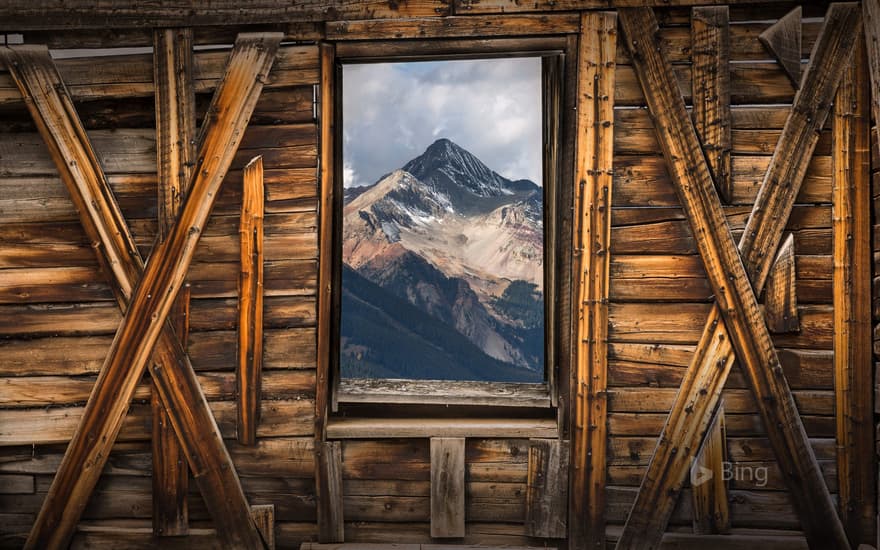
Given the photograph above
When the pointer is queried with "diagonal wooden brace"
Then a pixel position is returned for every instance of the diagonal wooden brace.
(192, 420)
(735, 321)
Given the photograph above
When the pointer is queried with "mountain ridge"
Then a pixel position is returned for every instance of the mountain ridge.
(449, 235)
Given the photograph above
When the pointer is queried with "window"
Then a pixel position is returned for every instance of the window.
(445, 232)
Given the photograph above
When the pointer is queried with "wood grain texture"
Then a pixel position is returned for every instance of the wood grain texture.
(464, 7)
(264, 518)
(175, 152)
(103, 420)
(331, 518)
(708, 486)
(170, 471)
(592, 235)
(780, 294)
(250, 303)
(853, 362)
(783, 39)
(175, 120)
(547, 489)
(710, 54)
(701, 387)
(871, 16)
(492, 394)
(123, 77)
(447, 487)
(326, 209)
(21, 15)
(453, 27)
(378, 428)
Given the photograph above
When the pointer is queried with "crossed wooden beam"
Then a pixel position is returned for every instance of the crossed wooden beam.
(737, 276)
(146, 294)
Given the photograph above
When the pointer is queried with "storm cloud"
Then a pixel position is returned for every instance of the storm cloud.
(393, 111)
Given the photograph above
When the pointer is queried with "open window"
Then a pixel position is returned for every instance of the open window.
(446, 238)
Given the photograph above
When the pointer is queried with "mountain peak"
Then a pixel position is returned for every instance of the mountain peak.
(451, 169)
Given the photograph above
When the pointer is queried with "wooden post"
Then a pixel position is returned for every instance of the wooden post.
(170, 472)
(592, 233)
(851, 218)
(325, 237)
(447, 487)
(708, 486)
(547, 488)
(175, 148)
(742, 325)
(331, 526)
(780, 296)
(710, 52)
(143, 323)
(250, 303)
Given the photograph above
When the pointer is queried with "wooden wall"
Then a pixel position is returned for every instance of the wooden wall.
(58, 315)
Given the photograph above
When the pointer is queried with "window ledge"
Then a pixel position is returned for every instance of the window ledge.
(376, 428)
(435, 392)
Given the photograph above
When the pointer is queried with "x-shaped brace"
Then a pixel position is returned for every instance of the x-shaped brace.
(736, 321)
(145, 294)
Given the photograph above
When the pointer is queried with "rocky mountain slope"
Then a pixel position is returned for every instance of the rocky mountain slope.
(450, 236)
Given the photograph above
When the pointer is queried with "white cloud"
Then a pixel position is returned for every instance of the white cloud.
(393, 111)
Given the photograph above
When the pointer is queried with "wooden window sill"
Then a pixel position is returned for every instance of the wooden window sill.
(433, 392)
(376, 428)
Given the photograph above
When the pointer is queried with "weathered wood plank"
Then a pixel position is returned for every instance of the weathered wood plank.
(283, 417)
(331, 526)
(453, 27)
(264, 518)
(780, 294)
(375, 428)
(514, 6)
(592, 237)
(170, 472)
(109, 402)
(20, 15)
(447, 487)
(43, 391)
(175, 120)
(783, 39)
(250, 303)
(710, 52)
(853, 362)
(708, 486)
(547, 488)
(871, 16)
(327, 206)
(761, 238)
(175, 152)
(131, 76)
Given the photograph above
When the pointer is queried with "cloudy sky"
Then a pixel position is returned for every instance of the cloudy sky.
(393, 111)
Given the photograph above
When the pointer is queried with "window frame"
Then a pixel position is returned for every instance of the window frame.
(557, 54)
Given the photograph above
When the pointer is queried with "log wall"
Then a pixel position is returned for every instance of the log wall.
(58, 315)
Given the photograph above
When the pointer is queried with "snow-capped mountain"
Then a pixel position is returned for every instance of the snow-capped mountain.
(451, 236)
